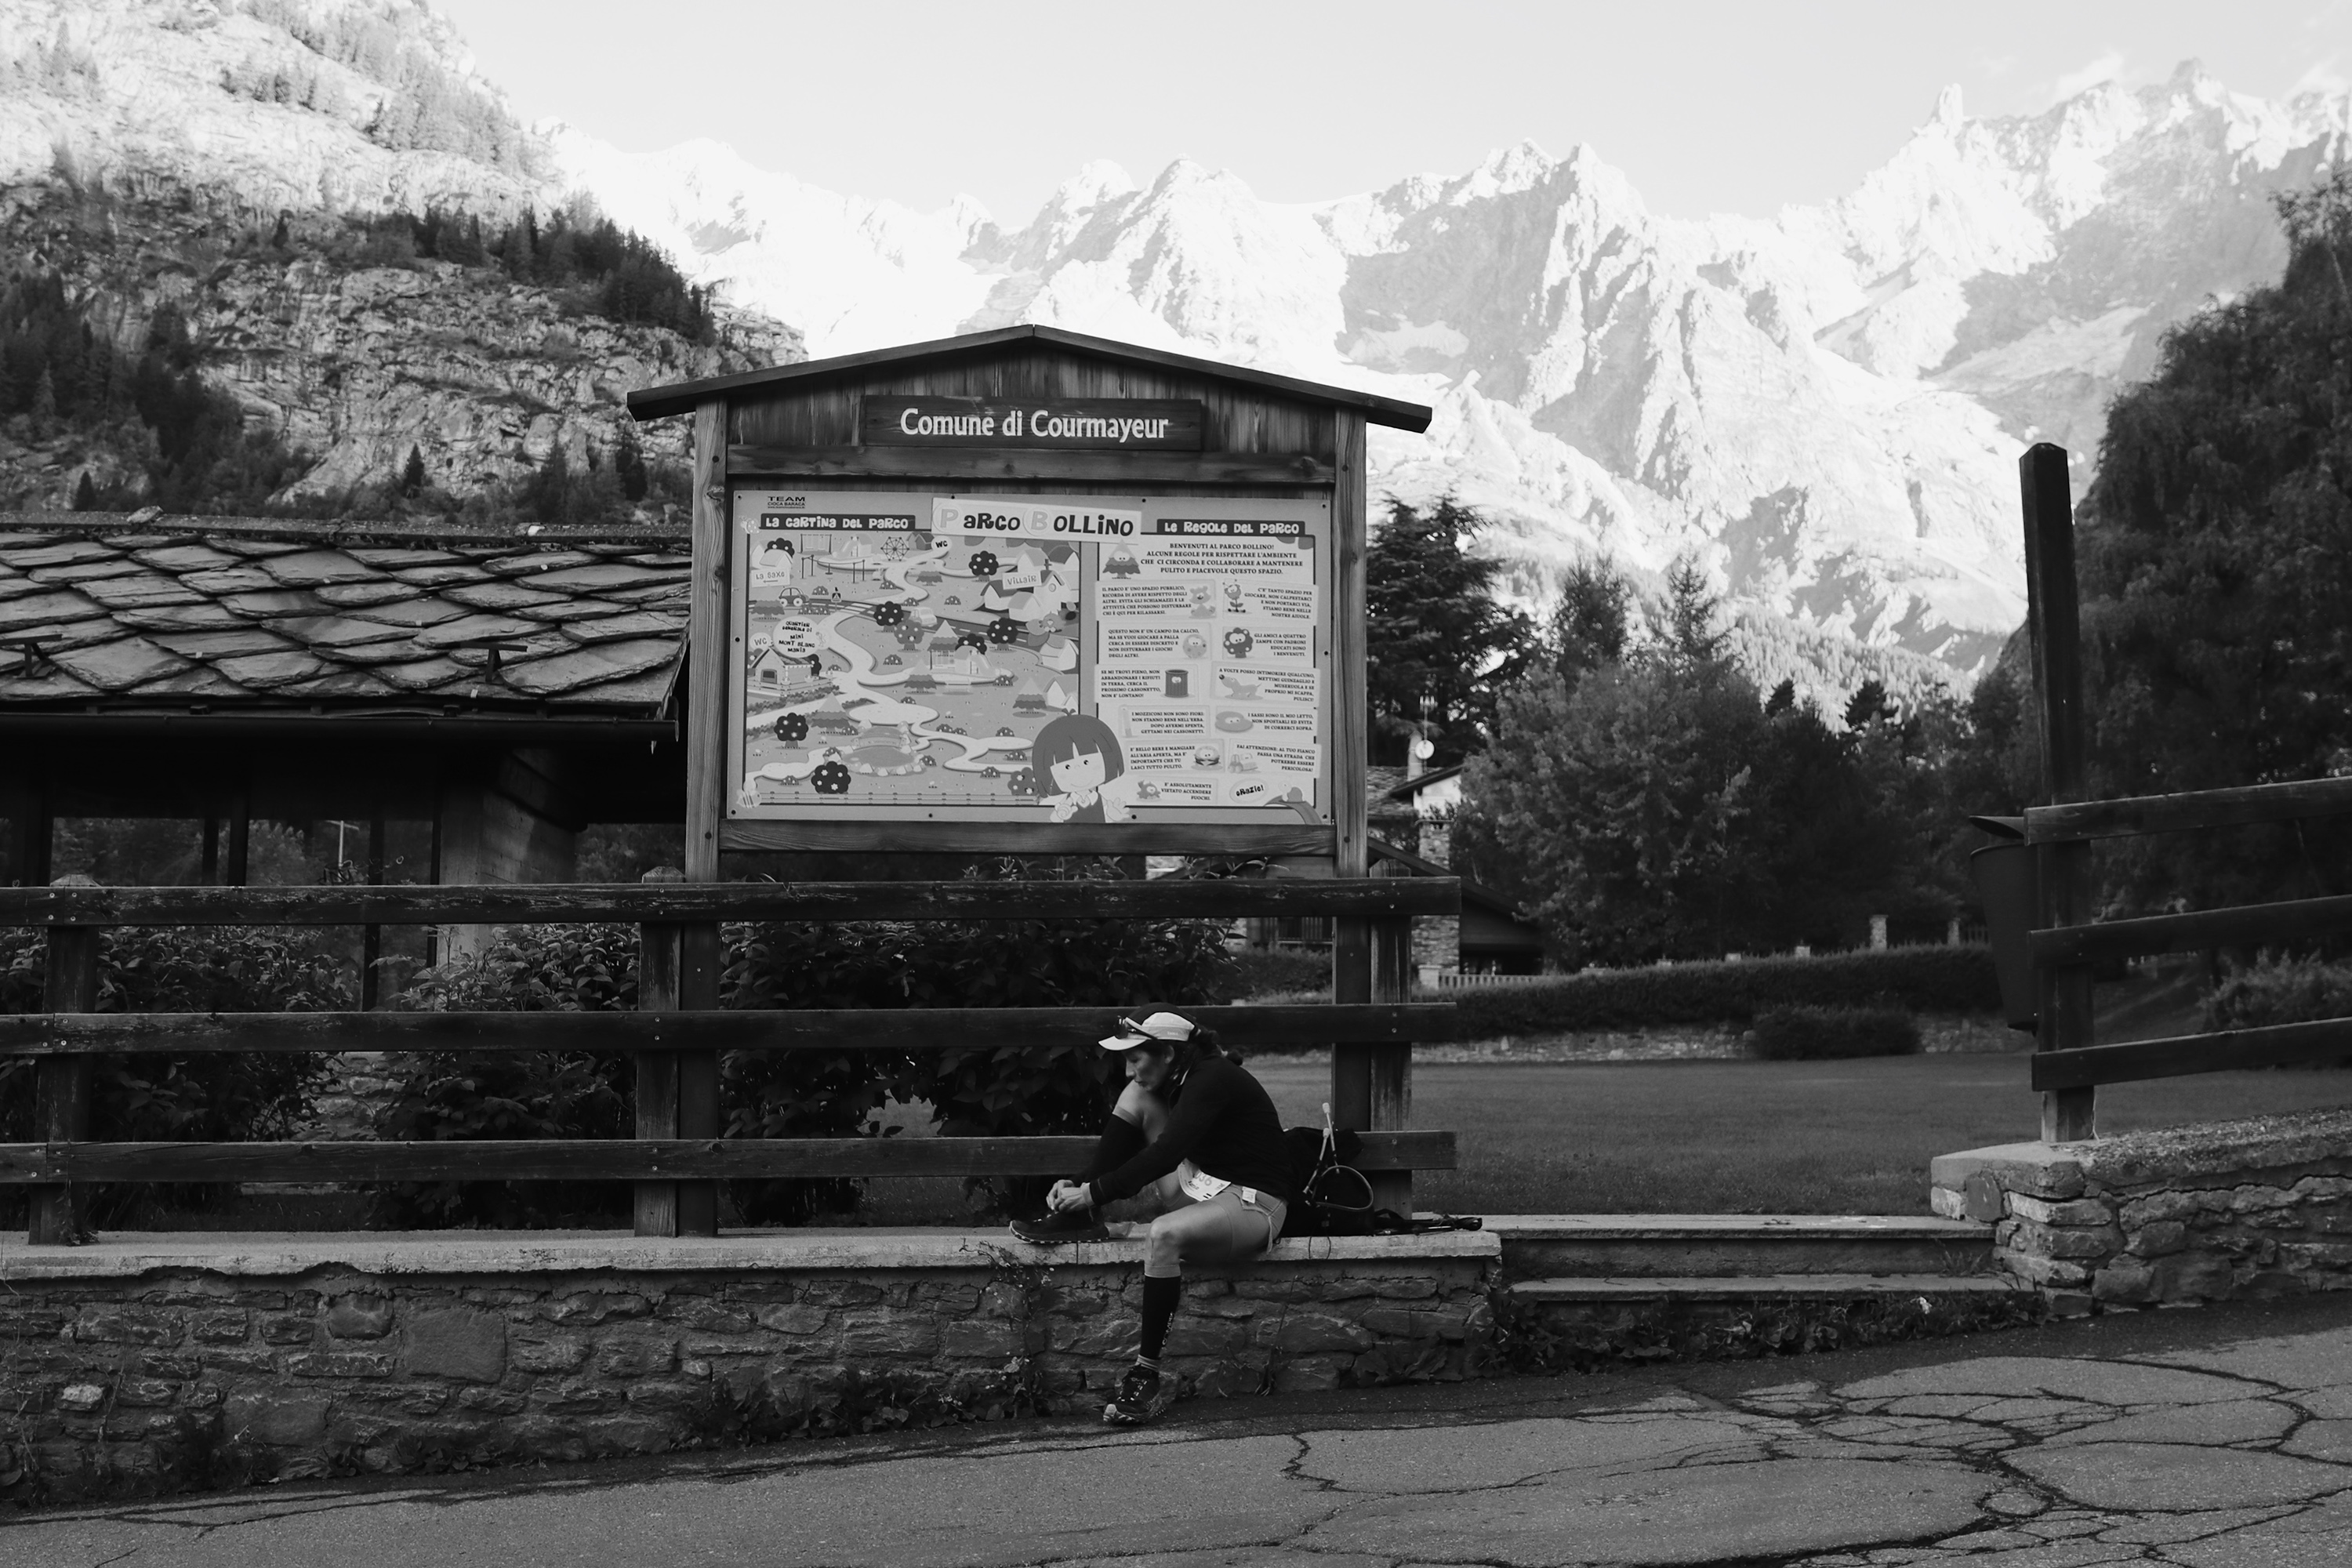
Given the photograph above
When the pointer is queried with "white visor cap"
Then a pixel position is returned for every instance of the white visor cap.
(1159, 1029)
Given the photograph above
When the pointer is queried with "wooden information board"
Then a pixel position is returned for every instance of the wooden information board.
(927, 655)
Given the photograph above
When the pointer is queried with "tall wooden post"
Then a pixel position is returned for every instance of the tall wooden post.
(2067, 892)
(1352, 1068)
(709, 664)
(371, 937)
(656, 1071)
(62, 1085)
(1388, 1067)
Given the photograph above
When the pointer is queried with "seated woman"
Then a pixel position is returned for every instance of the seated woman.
(1204, 1136)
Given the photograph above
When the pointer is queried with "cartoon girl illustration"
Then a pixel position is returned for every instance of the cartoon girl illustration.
(1077, 758)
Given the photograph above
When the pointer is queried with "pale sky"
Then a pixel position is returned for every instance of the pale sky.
(1707, 107)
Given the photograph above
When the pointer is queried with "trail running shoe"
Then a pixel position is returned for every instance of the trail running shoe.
(1077, 1225)
(1143, 1397)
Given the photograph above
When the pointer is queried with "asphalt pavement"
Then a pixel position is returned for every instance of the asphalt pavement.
(2206, 1438)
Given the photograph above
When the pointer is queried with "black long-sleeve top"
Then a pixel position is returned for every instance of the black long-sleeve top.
(1224, 1122)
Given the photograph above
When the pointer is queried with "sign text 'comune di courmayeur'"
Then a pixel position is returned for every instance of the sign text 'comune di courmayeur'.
(1117, 424)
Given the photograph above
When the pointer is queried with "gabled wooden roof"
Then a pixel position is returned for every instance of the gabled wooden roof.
(252, 616)
(680, 397)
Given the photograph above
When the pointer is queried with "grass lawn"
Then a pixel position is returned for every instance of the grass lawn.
(1727, 1137)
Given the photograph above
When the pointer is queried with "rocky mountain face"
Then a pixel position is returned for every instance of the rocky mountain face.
(1825, 405)
(146, 154)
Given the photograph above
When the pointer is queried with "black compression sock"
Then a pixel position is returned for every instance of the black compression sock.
(1120, 1142)
(1159, 1299)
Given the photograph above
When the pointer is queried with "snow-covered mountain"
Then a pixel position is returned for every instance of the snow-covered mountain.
(1826, 404)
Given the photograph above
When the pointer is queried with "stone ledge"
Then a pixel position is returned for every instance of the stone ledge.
(1764, 1287)
(264, 1253)
(1721, 1227)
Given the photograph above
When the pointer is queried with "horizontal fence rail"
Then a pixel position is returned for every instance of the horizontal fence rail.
(2225, 1050)
(845, 1030)
(615, 1159)
(1167, 898)
(2243, 806)
(2246, 925)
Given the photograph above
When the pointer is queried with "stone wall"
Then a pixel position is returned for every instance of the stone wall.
(156, 1364)
(2261, 1207)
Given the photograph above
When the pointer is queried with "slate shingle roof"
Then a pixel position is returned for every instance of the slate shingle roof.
(249, 616)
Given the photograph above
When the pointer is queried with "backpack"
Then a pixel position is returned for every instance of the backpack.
(1334, 1197)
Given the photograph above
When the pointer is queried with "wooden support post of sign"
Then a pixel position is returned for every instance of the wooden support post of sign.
(1352, 1070)
(1389, 1065)
(708, 666)
(656, 1204)
(371, 937)
(2054, 615)
(62, 1085)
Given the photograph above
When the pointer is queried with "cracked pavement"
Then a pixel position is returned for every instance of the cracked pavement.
(2205, 1439)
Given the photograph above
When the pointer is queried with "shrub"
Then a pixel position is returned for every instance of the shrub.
(1824, 1034)
(469, 1095)
(1000, 1090)
(2278, 989)
(1267, 971)
(1919, 979)
(166, 1097)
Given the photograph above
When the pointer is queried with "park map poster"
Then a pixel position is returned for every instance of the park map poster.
(935, 657)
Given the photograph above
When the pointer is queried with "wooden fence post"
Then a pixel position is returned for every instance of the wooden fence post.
(2065, 872)
(708, 668)
(656, 1203)
(1352, 1093)
(1389, 1065)
(62, 1085)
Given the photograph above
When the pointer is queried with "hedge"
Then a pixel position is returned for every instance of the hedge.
(1268, 972)
(1830, 1034)
(1918, 979)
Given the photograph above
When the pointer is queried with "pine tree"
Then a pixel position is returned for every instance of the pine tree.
(1439, 646)
(1589, 627)
(44, 403)
(278, 236)
(1782, 701)
(412, 473)
(629, 464)
(1694, 641)
(1867, 706)
(84, 496)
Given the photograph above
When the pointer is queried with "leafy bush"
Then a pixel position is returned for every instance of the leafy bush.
(999, 1090)
(1266, 971)
(163, 1096)
(1919, 979)
(1008, 1090)
(1825, 1034)
(508, 1095)
(2278, 989)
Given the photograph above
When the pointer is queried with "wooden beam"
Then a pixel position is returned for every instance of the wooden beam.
(791, 463)
(62, 1085)
(1164, 898)
(82, 1032)
(2226, 1050)
(617, 1159)
(654, 1204)
(711, 667)
(2188, 810)
(1029, 838)
(1354, 1091)
(2067, 881)
(2245, 925)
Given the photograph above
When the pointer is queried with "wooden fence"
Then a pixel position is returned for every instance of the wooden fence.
(2066, 944)
(679, 1031)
